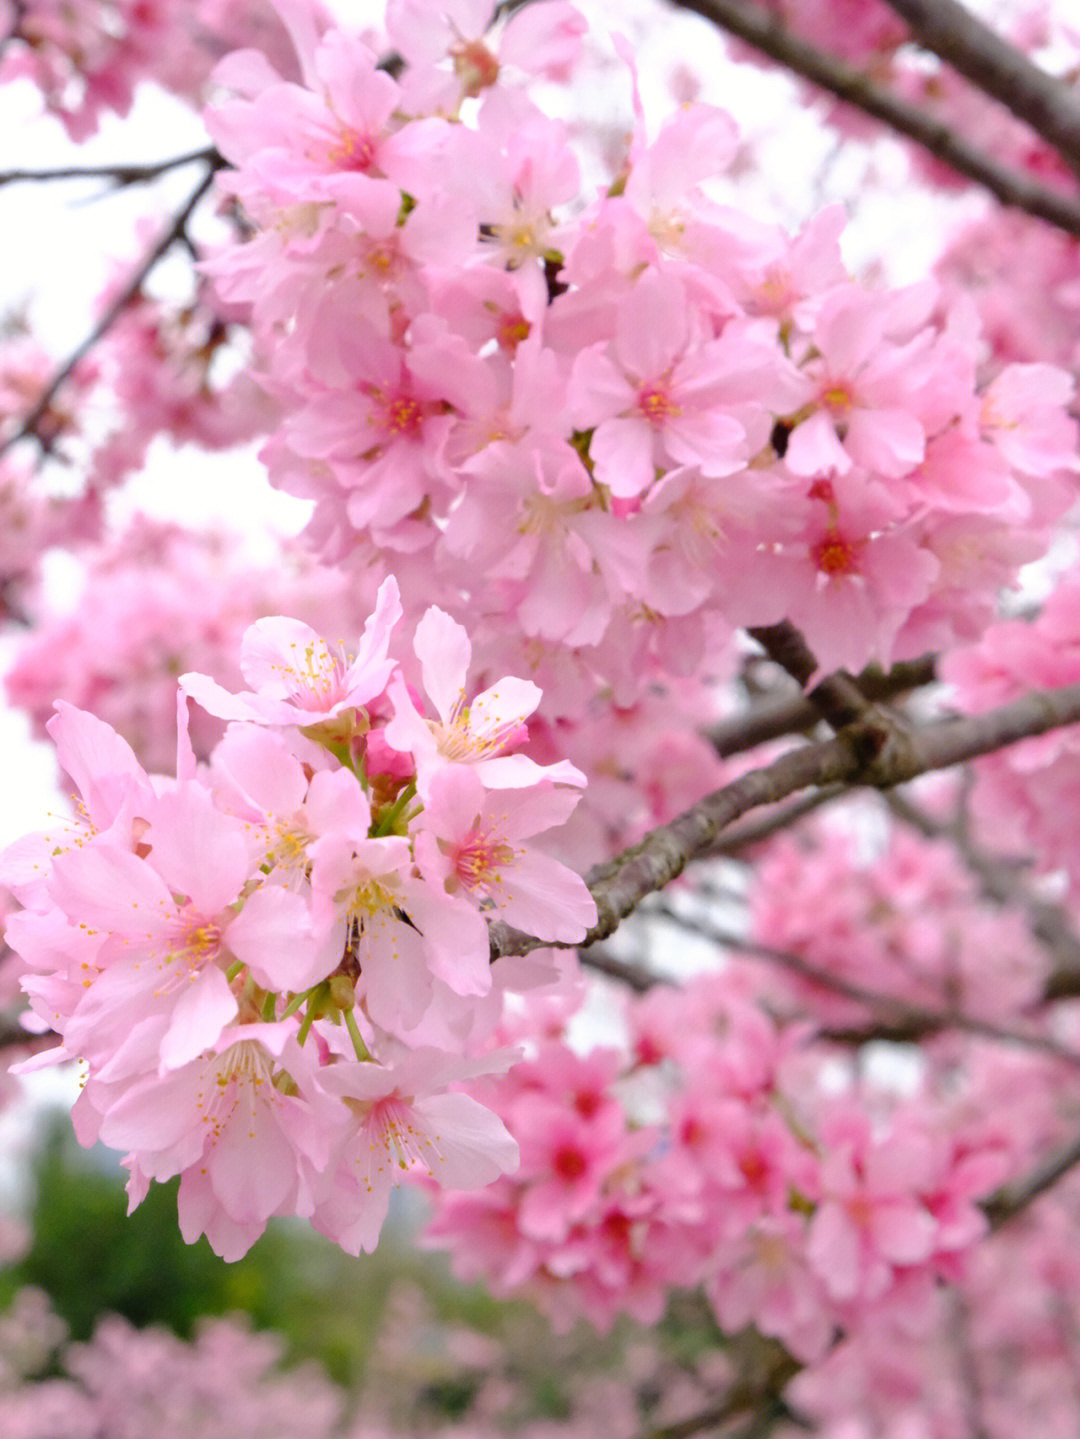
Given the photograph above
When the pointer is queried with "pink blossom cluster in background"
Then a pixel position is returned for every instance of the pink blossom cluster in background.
(156, 601)
(681, 1163)
(172, 370)
(86, 59)
(1026, 796)
(130, 1383)
(825, 1216)
(904, 921)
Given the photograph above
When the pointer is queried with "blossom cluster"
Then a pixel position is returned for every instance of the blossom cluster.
(87, 59)
(902, 920)
(277, 968)
(165, 370)
(1025, 796)
(1024, 281)
(607, 426)
(128, 1383)
(155, 601)
(678, 1162)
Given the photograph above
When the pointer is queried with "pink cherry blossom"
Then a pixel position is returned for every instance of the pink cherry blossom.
(300, 678)
(402, 1121)
(468, 842)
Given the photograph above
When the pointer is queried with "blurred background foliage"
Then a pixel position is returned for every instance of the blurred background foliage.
(393, 1328)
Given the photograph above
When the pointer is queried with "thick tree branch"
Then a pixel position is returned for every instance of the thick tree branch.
(759, 28)
(877, 753)
(175, 231)
(774, 716)
(998, 69)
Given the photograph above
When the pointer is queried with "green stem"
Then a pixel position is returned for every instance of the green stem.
(294, 1004)
(306, 1023)
(362, 1051)
(388, 820)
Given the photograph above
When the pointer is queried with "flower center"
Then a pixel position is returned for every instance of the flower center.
(834, 555)
(475, 66)
(480, 857)
(316, 678)
(656, 404)
(353, 151)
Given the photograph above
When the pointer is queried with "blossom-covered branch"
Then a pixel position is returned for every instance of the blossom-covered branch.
(754, 24)
(873, 753)
(998, 68)
(174, 232)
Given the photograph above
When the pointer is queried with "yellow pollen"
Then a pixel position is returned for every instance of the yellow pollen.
(353, 151)
(655, 404)
(478, 861)
(370, 898)
(402, 416)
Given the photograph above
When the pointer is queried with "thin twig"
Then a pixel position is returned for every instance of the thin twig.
(118, 174)
(174, 232)
(997, 68)
(634, 976)
(761, 29)
(910, 1022)
(754, 831)
(967, 1368)
(1012, 1199)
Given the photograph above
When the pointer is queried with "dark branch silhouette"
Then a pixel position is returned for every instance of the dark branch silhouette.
(1014, 188)
(175, 232)
(997, 68)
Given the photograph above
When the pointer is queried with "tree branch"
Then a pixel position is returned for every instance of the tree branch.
(837, 697)
(634, 976)
(743, 836)
(775, 716)
(756, 26)
(175, 231)
(908, 1022)
(878, 753)
(759, 1387)
(1012, 1199)
(998, 69)
(119, 175)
